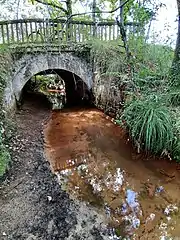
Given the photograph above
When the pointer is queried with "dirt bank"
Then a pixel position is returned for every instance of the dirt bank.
(32, 204)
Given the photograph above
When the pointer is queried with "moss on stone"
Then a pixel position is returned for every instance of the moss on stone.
(5, 62)
(4, 161)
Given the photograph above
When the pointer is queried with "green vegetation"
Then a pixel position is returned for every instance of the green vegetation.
(135, 79)
(4, 160)
(5, 61)
(150, 125)
(110, 56)
(150, 102)
(39, 82)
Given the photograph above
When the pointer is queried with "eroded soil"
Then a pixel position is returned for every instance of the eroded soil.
(95, 162)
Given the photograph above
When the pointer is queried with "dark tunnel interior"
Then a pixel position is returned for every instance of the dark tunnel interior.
(77, 92)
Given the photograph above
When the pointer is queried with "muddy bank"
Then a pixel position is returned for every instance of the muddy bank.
(32, 204)
(95, 162)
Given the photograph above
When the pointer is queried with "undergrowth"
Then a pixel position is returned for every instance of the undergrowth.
(109, 57)
(111, 73)
(39, 82)
(4, 160)
(142, 86)
(5, 61)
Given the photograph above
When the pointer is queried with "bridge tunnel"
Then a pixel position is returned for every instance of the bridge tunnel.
(76, 90)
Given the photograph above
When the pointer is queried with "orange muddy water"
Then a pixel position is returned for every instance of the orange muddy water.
(95, 162)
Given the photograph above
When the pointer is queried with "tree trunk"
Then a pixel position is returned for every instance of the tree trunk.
(177, 50)
(69, 7)
(176, 61)
(94, 17)
(69, 13)
(121, 12)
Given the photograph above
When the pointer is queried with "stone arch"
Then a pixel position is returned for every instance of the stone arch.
(31, 64)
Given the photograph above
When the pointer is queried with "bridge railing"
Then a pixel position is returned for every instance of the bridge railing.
(55, 31)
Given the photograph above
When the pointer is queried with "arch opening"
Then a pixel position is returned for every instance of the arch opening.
(30, 64)
(75, 90)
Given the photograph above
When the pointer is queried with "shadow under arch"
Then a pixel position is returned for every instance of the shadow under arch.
(77, 91)
(31, 64)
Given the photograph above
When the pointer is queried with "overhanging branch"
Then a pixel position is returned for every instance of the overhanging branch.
(53, 5)
(84, 13)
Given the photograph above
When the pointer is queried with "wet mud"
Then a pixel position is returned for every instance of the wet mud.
(95, 162)
(33, 206)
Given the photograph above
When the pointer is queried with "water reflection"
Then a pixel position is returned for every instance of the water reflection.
(94, 164)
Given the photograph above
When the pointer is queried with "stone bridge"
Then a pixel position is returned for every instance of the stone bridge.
(38, 45)
(30, 64)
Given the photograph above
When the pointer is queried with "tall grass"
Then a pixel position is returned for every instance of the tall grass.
(150, 125)
(176, 142)
(176, 149)
(151, 59)
(173, 97)
(109, 57)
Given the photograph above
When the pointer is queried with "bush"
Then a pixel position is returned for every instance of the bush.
(150, 125)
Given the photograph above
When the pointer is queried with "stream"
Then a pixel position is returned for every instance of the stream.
(94, 160)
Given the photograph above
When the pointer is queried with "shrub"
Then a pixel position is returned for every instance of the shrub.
(150, 125)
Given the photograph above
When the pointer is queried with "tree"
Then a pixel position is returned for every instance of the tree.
(59, 7)
(65, 8)
(13, 9)
(176, 61)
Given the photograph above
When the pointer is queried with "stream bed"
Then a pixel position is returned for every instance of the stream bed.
(138, 195)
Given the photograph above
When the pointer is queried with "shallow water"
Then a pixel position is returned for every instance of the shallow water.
(95, 162)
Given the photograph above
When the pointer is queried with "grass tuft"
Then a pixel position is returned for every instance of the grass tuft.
(150, 125)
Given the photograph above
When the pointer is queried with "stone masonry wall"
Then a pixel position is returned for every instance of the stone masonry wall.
(31, 64)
